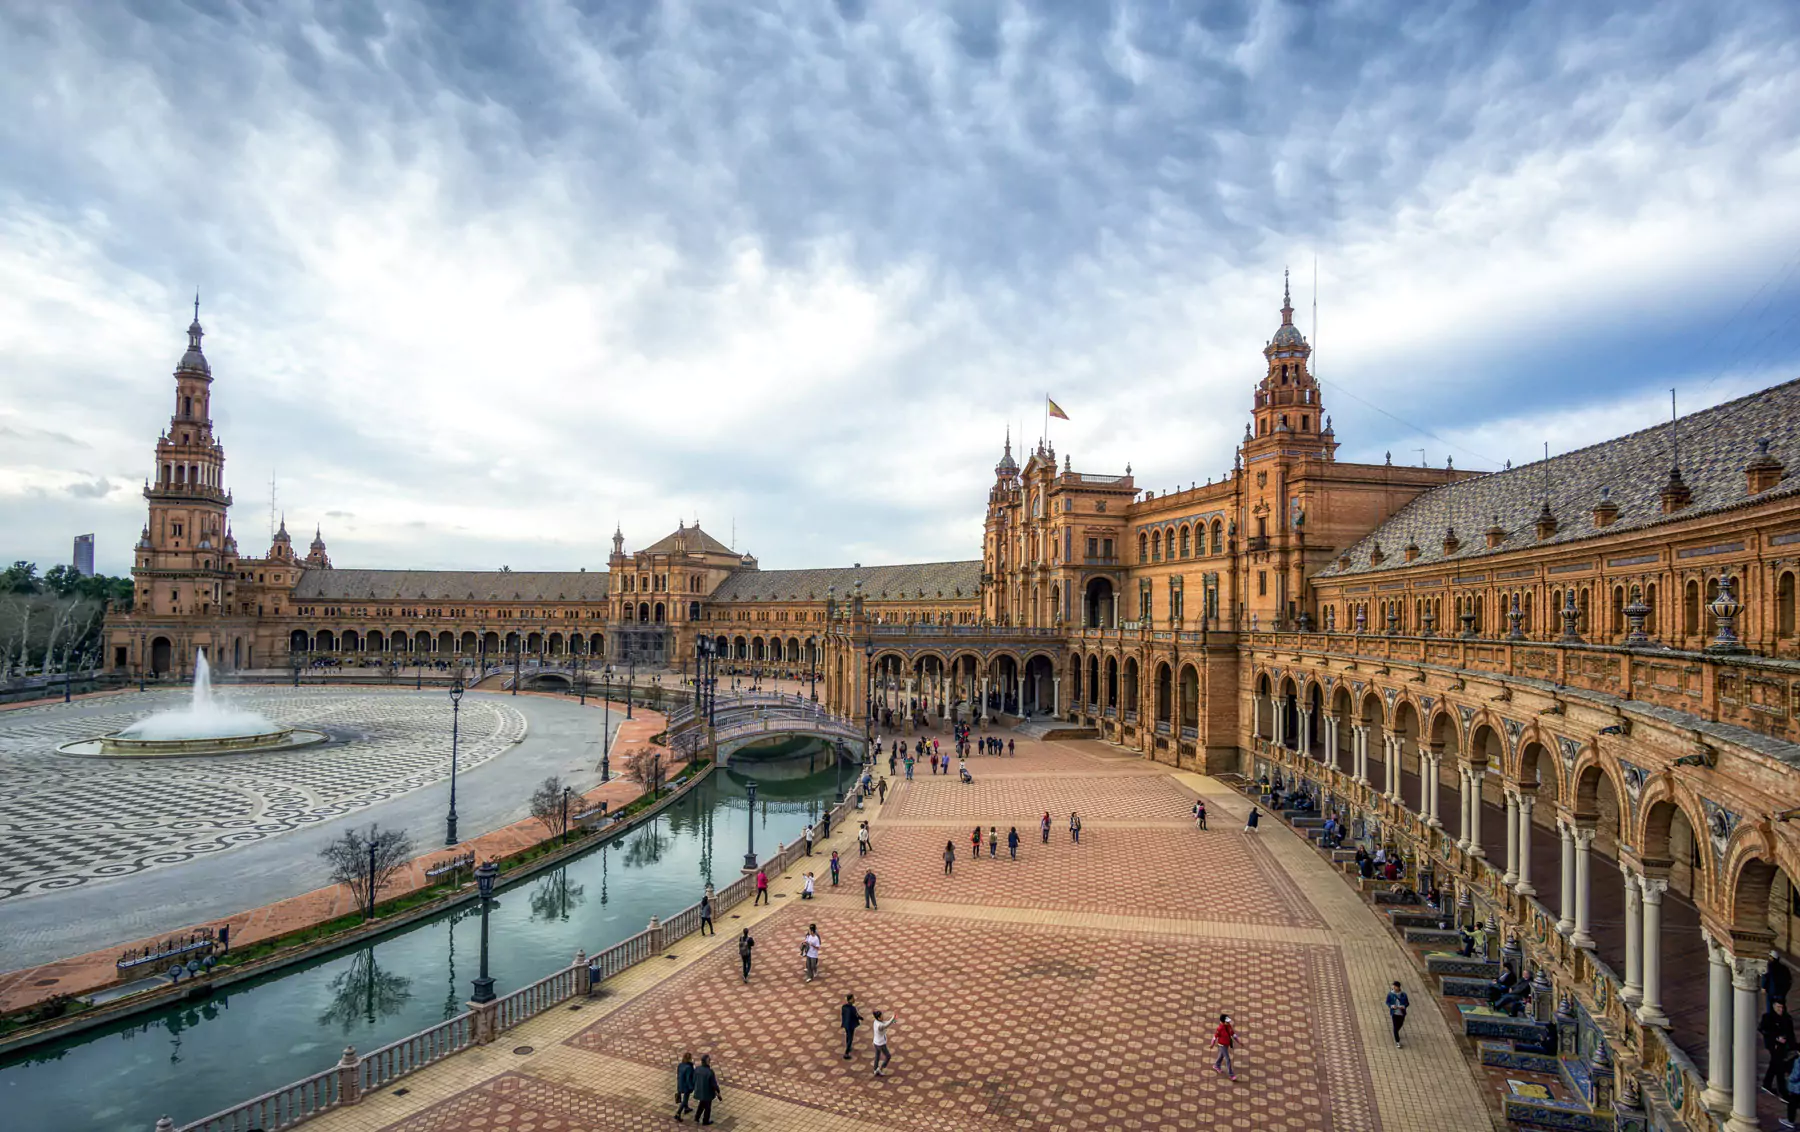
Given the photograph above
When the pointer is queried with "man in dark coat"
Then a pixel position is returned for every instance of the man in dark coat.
(1777, 1030)
(706, 1090)
(850, 1019)
(684, 1084)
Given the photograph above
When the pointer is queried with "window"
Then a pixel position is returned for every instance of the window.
(1143, 547)
(1262, 583)
(1218, 537)
(1093, 547)
(1156, 546)
(1186, 550)
(1107, 553)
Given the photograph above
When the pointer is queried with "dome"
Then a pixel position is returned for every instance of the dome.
(194, 361)
(1007, 467)
(1289, 335)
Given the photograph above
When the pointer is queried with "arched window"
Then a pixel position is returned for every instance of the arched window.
(1784, 605)
(1690, 611)
(1143, 547)
(1186, 550)
(1156, 546)
(1218, 537)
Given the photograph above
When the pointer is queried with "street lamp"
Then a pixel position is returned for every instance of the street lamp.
(568, 792)
(630, 679)
(838, 752)
(143, 647)
(750, 849)
(812, 665)
(484, 882)
(456, 695)
(606, 725)
(869, 699)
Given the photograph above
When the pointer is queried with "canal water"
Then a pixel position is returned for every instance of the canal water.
(202, 1056)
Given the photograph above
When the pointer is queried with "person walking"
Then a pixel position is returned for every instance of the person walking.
(949, 856)
(881, 790)
(1777, 1030)
(975, 844)
(1044, 827)
(809, 838)
(706, 1090)
(1010, 750)
(745, 946)
(869, 890)
(1396, 1007)
(1225, 1039)
(1250, 822)
(849, 1019)
(684, 1085)
(1075, 827)
(762, 888)
(835, 865)
(1793, 1094)
(909, 768)
(809, 948)
(706, 924)
(883, 1055)
(863, 845)
(993, 841)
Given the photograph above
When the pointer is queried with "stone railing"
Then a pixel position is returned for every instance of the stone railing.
(355, 1076)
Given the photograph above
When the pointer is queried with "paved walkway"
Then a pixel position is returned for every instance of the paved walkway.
(1074, 988)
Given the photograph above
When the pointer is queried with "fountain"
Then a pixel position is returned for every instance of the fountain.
(207, 726)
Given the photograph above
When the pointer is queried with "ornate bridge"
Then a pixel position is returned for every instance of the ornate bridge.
(751, 717)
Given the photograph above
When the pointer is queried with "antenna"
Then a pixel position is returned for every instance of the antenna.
(1422, 461)
(1313, 358)
(271, 505)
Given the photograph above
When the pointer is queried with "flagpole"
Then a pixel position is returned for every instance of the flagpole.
(1046, 420)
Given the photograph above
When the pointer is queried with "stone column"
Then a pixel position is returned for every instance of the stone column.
(1476, 774)
(1256, 710)
(1462, 802)
(1584, 874)
(1746, 981)
(1717, 1096)
(1360, 746)
(1651, 1012)
(1511, 876)
(1277, 720)
(1330, 724)
(1305, 736)
(1523, 886)
(1565, 923)
(1632, 992)
(1056, 694)
(981, 712)
(1392, 752)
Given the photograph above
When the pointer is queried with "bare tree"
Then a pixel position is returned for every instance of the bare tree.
(365, 862)
(550, 806)
(646, 767)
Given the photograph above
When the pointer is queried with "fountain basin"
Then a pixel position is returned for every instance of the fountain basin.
(123, 745)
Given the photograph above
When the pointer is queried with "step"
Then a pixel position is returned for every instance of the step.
(1481, 1021)
(1450, 963)
(1501, 1055)
(1563, 1116)
(1439, 936)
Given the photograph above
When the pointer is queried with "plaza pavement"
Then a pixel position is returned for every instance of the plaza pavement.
(47, 936)
(1075, 988)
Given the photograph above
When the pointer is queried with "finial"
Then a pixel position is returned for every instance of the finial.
(196, 304)
(1286, 294)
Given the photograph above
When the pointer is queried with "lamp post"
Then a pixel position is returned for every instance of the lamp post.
(581, 678)
(812, 666)
(869, 698)
(484, 882)
(456, 695)
(294, 662)
(838, 752)
(568, 792)
(143, 658)
(630, 679)
(750, 848)
(606, 725)
(518, 650)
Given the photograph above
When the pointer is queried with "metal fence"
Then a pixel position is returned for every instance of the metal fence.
(346, 1082)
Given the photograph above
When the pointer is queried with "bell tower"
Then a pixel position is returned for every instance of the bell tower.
(184, 564)
(1288, 415)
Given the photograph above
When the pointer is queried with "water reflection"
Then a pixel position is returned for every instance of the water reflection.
(363, 994)
(555, 895)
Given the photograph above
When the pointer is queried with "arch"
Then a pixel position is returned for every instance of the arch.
(352, 641)
(1190, 696)
(1534, 757)
(467, 645)
(297, 642)
(1218, 536)
(162, 653)
(1156, 545)
(1129, 692)
(1784, 605)
(325, 641)
(534, 642)
(554, 644)
(375, 641)
(1143, 547)
(1097, 604)
(1093, 681)
(597, 643)
(661, 613)
(1665, 812)
(490, 642)
(643, 613)
(1165, 692)
(1186, 546)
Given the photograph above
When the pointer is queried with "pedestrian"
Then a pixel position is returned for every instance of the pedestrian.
(975, 844)
(809, 949)
(825, 826)
(1012, 842)
(909, 768)
(881, 790)
(1075, 827)
(934, 764)
(1793, 1094)
(809, 839)
(849, 1019)
(1044, 826)
(1250, 822)
(949, 856)
(1777, 1030)
(706, 1090)
(1225, 1038)
(745, 946)
(993, 842)
(806, 886)
(869, 889)
(706, 924)
(1396, 1006)
(835, 865)
(684, 1085)
(882, 1054)
(762, 888)
(863, 846)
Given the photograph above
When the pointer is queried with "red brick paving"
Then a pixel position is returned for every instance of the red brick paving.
(516, 1102)
(1097, 796)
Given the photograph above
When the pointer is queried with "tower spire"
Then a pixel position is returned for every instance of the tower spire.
(1287, 300)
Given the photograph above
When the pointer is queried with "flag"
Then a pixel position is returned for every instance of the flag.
(1056, 410)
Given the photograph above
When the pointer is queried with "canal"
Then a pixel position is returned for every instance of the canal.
(195, 1058)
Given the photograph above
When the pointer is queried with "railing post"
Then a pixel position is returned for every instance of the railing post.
(349, 1072)
(164, 1124)
(485, 1017)
(583, 983)
(656, 935)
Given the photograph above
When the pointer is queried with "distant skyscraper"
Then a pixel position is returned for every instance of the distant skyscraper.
(84, 555)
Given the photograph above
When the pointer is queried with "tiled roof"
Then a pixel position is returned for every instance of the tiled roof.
(1715, 443)
(688, 540)
(922, 581)
(451, 585)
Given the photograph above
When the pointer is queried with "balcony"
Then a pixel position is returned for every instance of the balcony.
(1256, 543)
(1100, 560)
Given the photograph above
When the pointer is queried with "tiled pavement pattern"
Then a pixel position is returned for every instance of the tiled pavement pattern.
(1094, 794)
(1012, 1015)
(68, 820)
(1112, 869)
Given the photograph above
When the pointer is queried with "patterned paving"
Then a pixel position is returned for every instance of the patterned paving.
(1096, 796)
(67, 821)
(1016, 1027)
(521, 1103)
(1223, 876)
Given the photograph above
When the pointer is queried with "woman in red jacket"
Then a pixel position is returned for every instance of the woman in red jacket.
(1225, 1038)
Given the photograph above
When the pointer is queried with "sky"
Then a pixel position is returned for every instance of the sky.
(482, 282)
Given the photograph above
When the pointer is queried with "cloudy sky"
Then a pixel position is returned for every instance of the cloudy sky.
(481, 281)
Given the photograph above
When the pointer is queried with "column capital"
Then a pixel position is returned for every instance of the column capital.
(1584, 835)
(1527, 800)
(1746, 974)
(1653, 887)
